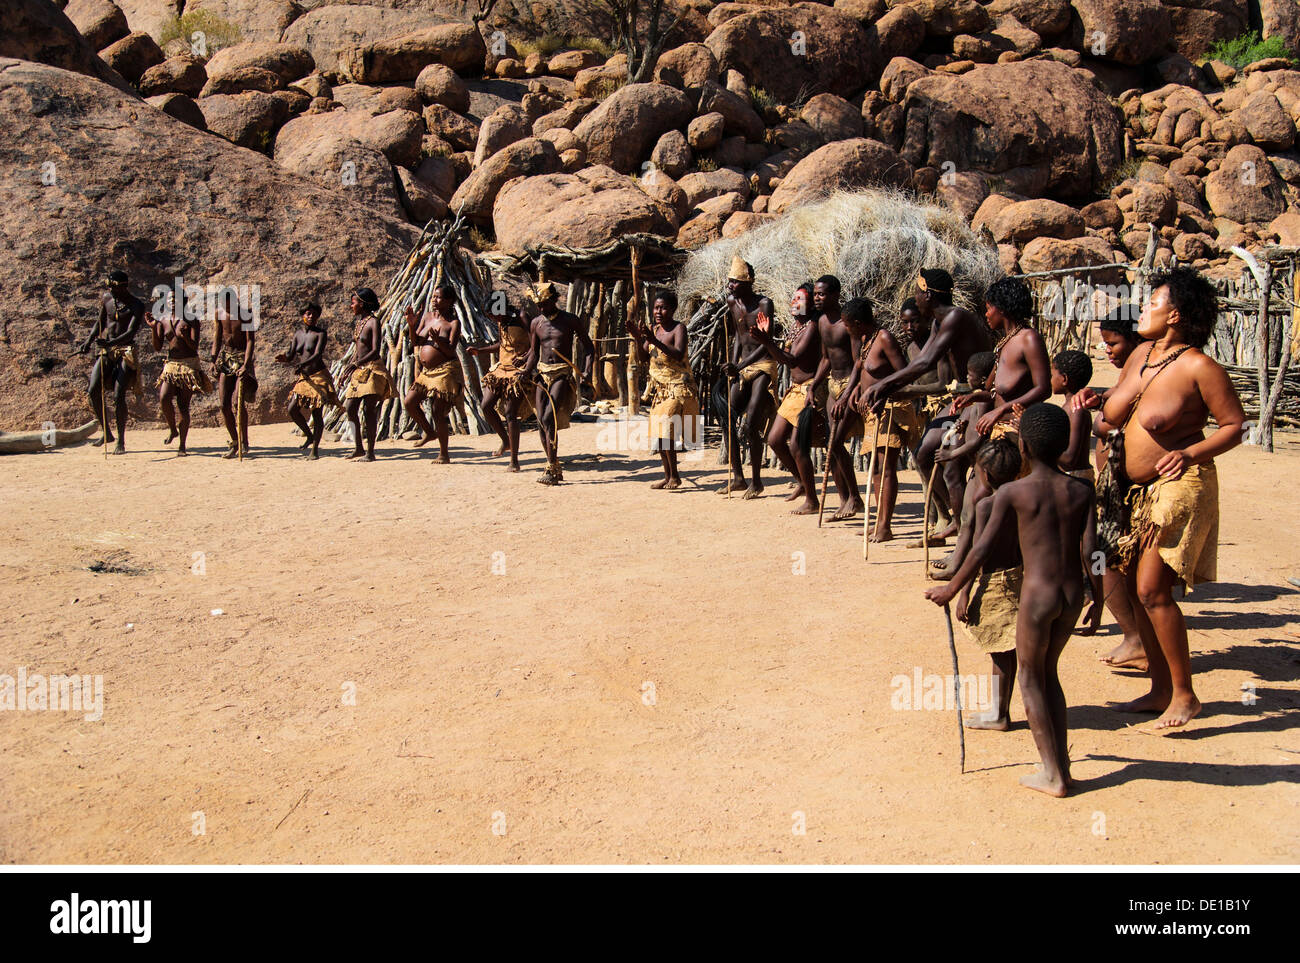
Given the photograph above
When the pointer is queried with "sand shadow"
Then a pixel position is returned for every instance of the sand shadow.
(1206, 774)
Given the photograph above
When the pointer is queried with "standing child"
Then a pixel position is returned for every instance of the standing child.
(1070, 373)
(989, 618)
(1051, 513)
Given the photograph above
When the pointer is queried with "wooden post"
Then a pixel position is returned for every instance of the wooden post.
(1261, 359)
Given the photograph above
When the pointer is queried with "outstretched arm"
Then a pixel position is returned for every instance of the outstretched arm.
(935, 348)
(979, 551)
(1088, 555)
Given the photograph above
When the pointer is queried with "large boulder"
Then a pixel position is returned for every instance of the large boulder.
(287, 61)
(843, 165)
(455, 45)
(1127, 32)
(790, 50)
(334, 160)
(332, 32)
(206, 212)
(1047, 18)
(397, 134)
(948, 18)
(37, 30)
(832, 117)
(622, 131)
(133, 55)
(693, 62)
(1268, 125)
(525, 158)
(1040, 125)
(738, 116)
(101, 22)
(183, 74)
(249, 119)
(1025, 220)
(499, 129)
(1280, 18)
(439, 84)
(256, 19)
(1245, 188)
(582, 210)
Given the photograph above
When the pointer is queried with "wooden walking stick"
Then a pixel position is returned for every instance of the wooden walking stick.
(871, 473)
(239, 415)
(956, 681)
(925, 517)
(103, 395)
(880, 485)
(826, 469)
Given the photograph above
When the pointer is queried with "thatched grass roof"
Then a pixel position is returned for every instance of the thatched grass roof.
(874, 241)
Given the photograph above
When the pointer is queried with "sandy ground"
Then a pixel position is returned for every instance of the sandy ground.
(644, 677)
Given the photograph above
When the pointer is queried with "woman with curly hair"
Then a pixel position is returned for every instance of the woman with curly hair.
(1164, 525)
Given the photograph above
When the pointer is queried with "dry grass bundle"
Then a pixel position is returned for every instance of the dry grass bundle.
(874, 241)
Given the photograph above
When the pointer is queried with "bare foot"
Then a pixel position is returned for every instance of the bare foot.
(988, 720)
(934, 540)
(1129, 654)
(810, 506)
(662, 483)
(1038, 780)
(884, 535)
(311, 455)
(795, 493)
(1179, 713)
(171, 436)
(733, 485)
(753, 491)
(847, 511)
(231, 452)
(949, 531)
(424, 441)
(359, 453)
(673, 483)
(182, 453)
(1151, 702)
(370, 456)
(305, 445)
(444, 459)
(513, 467)
(501, 449)
(120, 449)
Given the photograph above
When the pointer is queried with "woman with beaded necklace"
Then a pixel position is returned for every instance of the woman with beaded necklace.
(1168, 391)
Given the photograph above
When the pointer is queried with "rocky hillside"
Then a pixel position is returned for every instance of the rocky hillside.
(1067, 129)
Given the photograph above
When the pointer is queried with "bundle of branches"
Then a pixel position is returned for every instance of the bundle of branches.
(436, 259)
(660, 257)
(874, 241)
(1245, 380)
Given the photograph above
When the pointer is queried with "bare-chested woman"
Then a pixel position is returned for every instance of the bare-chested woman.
(182, 376)
(506, 392)
(802, 353)
(839, 352)
(550, 355)
(120, 314)
(314, 388)
(751, 374)
(233, 345)
(1168, 391)
(440, 379)
(367, 377)
(674, 403)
